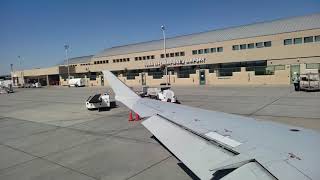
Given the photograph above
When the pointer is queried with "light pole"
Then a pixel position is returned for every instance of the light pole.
(164, 51)
(21, 75)
(66, 47)
(11, 68)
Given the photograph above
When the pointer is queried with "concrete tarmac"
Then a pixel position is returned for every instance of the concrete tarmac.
(48, 133)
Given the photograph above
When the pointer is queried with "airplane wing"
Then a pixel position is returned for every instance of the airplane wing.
(217, 145)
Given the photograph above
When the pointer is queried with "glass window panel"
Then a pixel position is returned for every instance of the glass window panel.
(287, 41)
(220, 49)
(317, 38)
(194, 52)
(235, 47)
(313, 66)
(243, 46)
(267, 44)
(182, 53)
(213, 50)
(200, 51)
(251, 46)
(259, 44)
(308, 39)
(297, 40)
(280, 67)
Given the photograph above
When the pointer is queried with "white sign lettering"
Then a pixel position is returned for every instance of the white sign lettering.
(175, 62)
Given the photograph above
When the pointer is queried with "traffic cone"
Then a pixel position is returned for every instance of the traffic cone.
(137, 117)
(130, 116)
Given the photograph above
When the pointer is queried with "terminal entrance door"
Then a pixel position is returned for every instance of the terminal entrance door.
(294, 68)
(202, 77)
(143, 79)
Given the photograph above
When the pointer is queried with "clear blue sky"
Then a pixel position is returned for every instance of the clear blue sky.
(36, 30)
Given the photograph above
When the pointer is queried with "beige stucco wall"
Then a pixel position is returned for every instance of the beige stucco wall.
(275, 55)
(277, 52)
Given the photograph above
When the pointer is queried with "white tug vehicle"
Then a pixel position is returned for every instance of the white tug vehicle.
(100, 101)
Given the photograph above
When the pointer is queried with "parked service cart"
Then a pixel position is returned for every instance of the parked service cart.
(6, 86)
(310, 82)
(164, 93)
(36, 85)
(100, 101)
(77, 82)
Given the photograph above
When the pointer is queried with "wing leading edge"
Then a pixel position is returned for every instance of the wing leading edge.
(210, 142)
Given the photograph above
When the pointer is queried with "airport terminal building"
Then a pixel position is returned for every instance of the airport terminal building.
(260, 53)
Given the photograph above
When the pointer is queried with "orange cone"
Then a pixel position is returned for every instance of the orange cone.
(137, 117)
(130, 116)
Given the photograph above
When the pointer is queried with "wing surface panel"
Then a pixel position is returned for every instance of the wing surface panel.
(265, 141)
(196, 153)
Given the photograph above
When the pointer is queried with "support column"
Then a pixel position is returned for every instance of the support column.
(48, 80)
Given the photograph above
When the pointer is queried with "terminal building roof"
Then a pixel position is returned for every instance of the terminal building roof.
(246, 31)
(77, 60)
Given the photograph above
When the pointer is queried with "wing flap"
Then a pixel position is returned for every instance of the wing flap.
(198, 154)
(250, 171)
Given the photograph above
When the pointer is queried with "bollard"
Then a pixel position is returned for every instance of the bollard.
(137, 117)
(130, 116)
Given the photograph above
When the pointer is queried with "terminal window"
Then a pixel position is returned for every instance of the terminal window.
(194, 52)
(267, 44)
(220, 49)
(177, 54)
(243, 46)
(213, 50)
(297, 40)
(259, 45)
(308, 39)
(313, 66)
(171, 54)
(235, 47)
(251, 46)
(181, 53)
(162, 55)
(200, 51)
(287, 41)
(206, 51)
(317, 38)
